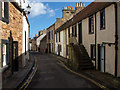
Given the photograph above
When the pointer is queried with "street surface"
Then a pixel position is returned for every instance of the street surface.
(50, 74)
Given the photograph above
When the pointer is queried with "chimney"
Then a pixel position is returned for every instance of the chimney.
(68, 7)
(72, 8)
(31, 37)
(57, 19)
(36, 35)
(83, 4)
(76, 4)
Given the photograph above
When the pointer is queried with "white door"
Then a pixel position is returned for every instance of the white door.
(102, 58)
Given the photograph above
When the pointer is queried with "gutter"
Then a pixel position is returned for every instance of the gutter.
(116, 40)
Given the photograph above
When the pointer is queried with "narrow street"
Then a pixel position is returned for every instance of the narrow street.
(52, 75)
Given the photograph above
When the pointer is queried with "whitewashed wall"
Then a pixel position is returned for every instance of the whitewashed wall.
(25, 58)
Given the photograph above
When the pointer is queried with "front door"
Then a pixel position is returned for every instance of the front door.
(80, 32)
(15, 55)
(101, 55)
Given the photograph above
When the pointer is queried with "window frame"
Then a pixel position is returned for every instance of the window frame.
(101, 26)
(93, 51)
(3, 41)
(75, 32)
(6, 12)
(69, 32)
(91, 24)
(59, 36)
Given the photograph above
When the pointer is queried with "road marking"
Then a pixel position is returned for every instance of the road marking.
(91, 80)
(27, 82)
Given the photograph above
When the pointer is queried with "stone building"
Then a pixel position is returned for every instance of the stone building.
(94, 31)
(41, 41)
(50, 38)
(11, 39)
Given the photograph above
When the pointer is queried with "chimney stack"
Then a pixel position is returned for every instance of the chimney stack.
(31, 37)
(77, 4)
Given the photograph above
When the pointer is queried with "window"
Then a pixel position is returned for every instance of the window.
(72, 30)
(91, 25)
(52, 34)
(5, 12)
(4, 54)
(93, 52)
(4, 49)
(49, 35)
(69, 32)
(59, 36)
(75, 31)
(56, 37)
(102, 19)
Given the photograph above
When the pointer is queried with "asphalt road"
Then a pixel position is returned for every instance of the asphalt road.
(50, 74)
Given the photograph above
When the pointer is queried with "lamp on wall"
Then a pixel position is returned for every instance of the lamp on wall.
(28, 9)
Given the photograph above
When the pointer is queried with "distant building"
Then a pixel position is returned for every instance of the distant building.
(41, 41)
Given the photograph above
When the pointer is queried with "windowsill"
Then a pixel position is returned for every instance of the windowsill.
(4, 68)
(102, 28)
(91, 32)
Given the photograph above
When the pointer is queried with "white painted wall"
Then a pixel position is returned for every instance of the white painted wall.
(25, 58)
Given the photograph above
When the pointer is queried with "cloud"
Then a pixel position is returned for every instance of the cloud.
(39, 9)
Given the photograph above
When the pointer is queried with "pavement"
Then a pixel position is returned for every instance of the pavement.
(51, 74)
(107, 80)
(18, 77)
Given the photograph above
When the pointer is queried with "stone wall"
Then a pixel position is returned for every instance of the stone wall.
(15, 27)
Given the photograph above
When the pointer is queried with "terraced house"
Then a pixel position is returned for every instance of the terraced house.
(14, 37)
(91, 37)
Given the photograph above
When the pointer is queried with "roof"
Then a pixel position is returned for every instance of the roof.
(86, 12)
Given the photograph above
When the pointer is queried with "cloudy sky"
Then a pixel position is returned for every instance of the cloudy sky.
(44, 14)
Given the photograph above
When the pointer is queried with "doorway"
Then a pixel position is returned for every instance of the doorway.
(15, 55)
(101, 58)
(80, 32)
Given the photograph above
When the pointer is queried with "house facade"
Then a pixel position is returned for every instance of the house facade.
(41, 41)
(12, 39)
(50, 38)
(96, 27)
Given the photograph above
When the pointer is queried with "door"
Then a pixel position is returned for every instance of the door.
(15, 55)
(58, 50)
(101, 62)
(80, 32)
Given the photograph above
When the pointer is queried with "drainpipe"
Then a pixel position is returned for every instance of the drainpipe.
(116, 40)
(95, 39)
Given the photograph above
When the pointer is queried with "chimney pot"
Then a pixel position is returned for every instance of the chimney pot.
(72, 8)
(83, 4)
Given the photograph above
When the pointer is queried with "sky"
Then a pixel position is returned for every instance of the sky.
(44, 14)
